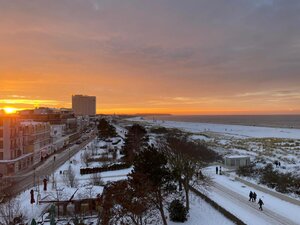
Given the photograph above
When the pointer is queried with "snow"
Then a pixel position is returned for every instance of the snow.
(201, 213)
(272, 204)
(200, 137)
(83, 189)
(236, 156)
(263, 144)
(229, 130)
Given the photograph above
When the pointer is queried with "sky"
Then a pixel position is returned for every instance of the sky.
(158, 56)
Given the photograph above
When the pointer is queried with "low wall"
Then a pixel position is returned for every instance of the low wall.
(219, 208)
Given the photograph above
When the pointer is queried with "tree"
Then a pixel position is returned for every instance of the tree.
(106, 130)
(85, 157)
(10, 212)
(128, 202)
(136, 140)
(96, 179)
(186, 160)
(152, 164)
(70, 177)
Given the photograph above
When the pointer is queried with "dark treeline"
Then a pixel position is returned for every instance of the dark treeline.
(106, 130)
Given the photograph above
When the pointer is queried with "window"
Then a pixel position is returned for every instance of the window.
(1, 155)
(1, 133)
(1, 122)
(1, 144)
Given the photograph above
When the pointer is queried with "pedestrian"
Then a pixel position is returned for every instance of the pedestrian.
(250, 196)
(279, 164)
(220, 170)
(254, 197)
(261, 203)
(217, 170)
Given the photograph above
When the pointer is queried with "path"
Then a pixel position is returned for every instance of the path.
(239, 204)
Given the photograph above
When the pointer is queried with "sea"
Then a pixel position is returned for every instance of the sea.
(280, 121)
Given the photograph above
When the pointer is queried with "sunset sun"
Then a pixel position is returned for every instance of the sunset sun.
(10, 110)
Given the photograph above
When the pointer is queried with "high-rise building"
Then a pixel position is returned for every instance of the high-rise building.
(84, 105)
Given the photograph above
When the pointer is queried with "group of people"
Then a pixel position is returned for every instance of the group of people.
(277, 163)
(252, 198)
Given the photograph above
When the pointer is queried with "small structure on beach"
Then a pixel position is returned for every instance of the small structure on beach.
(236, 161)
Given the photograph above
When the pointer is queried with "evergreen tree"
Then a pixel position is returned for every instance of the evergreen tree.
(136, 140)
(152, 164)
(106, 130)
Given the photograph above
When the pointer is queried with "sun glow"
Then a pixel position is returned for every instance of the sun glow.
(10, 110)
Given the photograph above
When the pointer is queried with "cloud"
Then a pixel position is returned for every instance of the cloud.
(226, 50)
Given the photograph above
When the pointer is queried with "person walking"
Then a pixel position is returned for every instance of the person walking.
(261, 203)
(217, 170)
(250, 196)
(254, 197)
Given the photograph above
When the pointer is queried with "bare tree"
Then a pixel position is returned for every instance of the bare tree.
(85, 157)
(10, 211)
(186, 161)
(70, 177)
(96, 179)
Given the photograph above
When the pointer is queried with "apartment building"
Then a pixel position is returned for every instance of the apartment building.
(22, 143)
(84, 105)
(12, 157)
(37, 139)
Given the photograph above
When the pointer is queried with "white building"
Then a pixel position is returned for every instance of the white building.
(236, 161)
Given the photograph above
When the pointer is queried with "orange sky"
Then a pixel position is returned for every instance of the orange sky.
(241, 58)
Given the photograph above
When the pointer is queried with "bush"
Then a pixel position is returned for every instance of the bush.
(159, 130)
(246, 171)
(177, 211)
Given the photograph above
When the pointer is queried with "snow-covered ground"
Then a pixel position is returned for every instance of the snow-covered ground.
(229, 130)
(263, 144)
(201, 213)
(233, 196)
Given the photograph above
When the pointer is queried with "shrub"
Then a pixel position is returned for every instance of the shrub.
(159, 130)
(177, 211)
(246, 171)
(104, 168)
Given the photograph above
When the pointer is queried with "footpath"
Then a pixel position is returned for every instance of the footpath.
(232, 195)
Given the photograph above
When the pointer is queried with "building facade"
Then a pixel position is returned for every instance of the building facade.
(22, 143)
(37, 140)
(12, 157)
(236, 161)
(84, 105)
